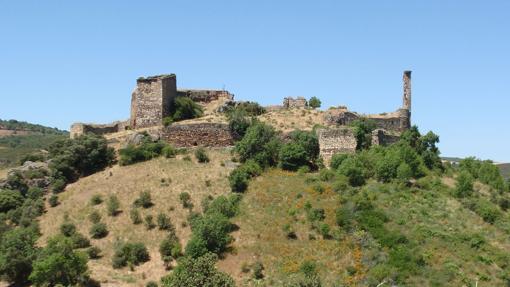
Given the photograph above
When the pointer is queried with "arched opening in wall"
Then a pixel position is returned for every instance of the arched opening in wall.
(195, 143)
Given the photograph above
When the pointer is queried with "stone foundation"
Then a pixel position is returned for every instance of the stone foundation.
(198, 134)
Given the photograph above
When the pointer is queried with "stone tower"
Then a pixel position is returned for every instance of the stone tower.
(151, 100)
(407, 91)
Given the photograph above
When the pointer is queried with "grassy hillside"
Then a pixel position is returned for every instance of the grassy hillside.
(447, 241)
(165, 179)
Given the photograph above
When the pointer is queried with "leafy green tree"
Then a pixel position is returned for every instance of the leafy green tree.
(98, 230)
(309, 142)
(260, 144)
(238, 123)
(197, 272)
(10, 199)
(212, 230)
(130, 253)
(464, 185)
(292, 156)
(17, 252)
(185, 108)
(58, 263)
(353, 169)
(363, 128)
(314, 102)
(113, 205)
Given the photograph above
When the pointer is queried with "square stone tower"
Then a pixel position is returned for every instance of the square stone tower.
(152, 100)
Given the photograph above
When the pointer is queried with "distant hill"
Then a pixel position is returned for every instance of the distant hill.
(14, 127)
(18, 139)
(505, 169)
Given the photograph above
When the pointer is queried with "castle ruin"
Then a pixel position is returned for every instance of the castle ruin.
(153, 98)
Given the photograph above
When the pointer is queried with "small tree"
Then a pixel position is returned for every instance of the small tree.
(197, 272)
(464, 186)
(95, 217)
(130, 253)
(201, 155)
(98, 230)
(314, 102)
(59, 264)
(17, 252)
(53, 200)
(113, 205)
(238, 180)
(144, 200)
(292, 156)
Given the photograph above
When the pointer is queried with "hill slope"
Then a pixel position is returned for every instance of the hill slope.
(443, 240)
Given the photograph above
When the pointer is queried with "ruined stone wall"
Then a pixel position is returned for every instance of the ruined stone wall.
(290, 102)
(78, 129)
(396, 121)
(382, 137)
(151, 100)
(198, 134)
(338, 140)
(205, 96)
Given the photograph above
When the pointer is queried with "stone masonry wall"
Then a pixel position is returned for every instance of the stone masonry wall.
(198, 134)
(204, 96)
(290, 103)
(151, 100)
(78, 129)
(339, 140)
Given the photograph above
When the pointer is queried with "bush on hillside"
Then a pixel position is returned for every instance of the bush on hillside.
(142, 152)
(238, 123)
(129, 253)
(10, 199)
(210, 231)
(170, 249)
(292, 156)
(98, 230)
(135, 216)
(185, 199)
(17, 252)
(58, 263)
(185, 108)
(53, 200)
(197, 272)
(164, 222)
(464, 185)
(169, 151)
(353, 169)
(144, 200)
(314, 103)
(94, 252)
(113, 205)
(363, 128)
(96, 199)
(201, 155)
(82, 156)
(259, 144)
(95, 216)
(238, 180)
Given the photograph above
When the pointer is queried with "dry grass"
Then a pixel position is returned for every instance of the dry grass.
(127, 182)
(266, 207)
(289, 120)
(3, 172)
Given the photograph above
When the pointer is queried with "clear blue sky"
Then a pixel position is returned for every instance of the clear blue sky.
(64, 61)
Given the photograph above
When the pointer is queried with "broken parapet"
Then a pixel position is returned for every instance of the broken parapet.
(78, 129)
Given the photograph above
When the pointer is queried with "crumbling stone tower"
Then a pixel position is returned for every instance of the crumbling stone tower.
(152, 100)
(407, 91)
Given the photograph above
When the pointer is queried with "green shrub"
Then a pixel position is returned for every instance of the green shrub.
(59, 264)
(17, 252)
(185, 199)
(314, 103)
(252, 168)
(197, 272)
(292, 156)
(169, 151)
(94, 252)
(96, 199)
(238, 123)
(464, 185)
(98, 230)
(238, 180)
(363, 128)
(201, 155)
(258, 270)
(149, 222)
(53, 200)
(308, 268)
(341, 183)
(488, 211)
(326, 174)
(167, 121)
(79, 240)
(316, 214)
(67, 229)
(185, 108)
(309, 142)
(164, 222)
(324, 230)
(57, 185)
(210, 231)
(129, 253)
(345, 217)
(81, 156)
(337, 159)
(135, 216)
(144, 200)
(151, 284)
(10, 199)
(260, 143)
(170, 249)
(226, 206)
(353, 169)
(35, 192)
(113, 205)
(95, 217)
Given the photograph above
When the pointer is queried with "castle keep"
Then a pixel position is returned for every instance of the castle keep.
(153, 98)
